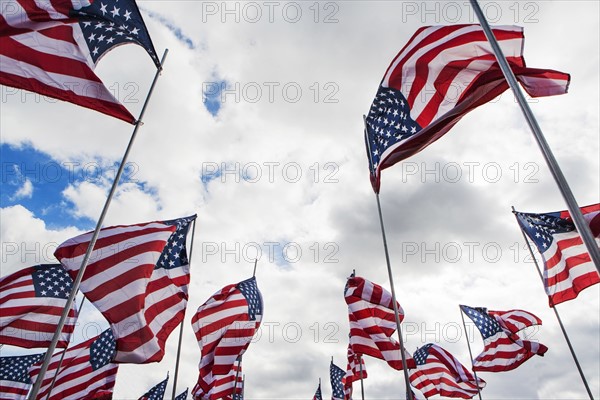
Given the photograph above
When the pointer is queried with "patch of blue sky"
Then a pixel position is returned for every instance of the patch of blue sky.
(34, 180)
(283, 253)
(212, 93)
(167, 23)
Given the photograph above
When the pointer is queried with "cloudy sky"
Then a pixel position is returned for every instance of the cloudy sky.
(256, 126)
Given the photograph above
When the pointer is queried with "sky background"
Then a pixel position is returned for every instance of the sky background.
(256, 126)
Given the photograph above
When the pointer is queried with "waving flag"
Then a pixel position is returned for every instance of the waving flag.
(182, 396)
(439, 372)
(568, 268)
(503, 350)
(354, 369)
(372, 321)
(224, 326)
(14, 376)
(137, 277)
(336, 377)
(441, 74)
(32, 302)
(157, 392)
(52, 47)
(86, 372)
(318, 395)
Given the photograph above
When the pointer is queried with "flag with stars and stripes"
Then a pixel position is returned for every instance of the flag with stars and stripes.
(338, 380)
(138, 277)
(318, 395)
(372, 321)
(503, 349)
(568, 268)
(438, 372)
(52, 48)
(442, 73)
(182, 396)
(32, 301)
(86, 371)
(224, 326)
(355, 371)
(15, 381)
(157, 392)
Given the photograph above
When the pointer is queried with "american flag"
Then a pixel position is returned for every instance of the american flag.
(14, 375)
(32, 301)
(318, 395)
(224, 326)
(86, 371)
(183, 395)
(372, 321)
(439, 372)
(442, 73)
(568, 268)
(234, 375)
(157, 392)
(336, 377)
(503, 349)
(353, 371)
(52, 47)
(138, 278)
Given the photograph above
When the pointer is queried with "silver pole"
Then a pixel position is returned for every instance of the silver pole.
(470, 353)
(183, 320)
(389, 269)
(254, 272)
(62, 357)
(362, 388)
(79, 277)
(237, 374)
(582, 227)
(553, 306)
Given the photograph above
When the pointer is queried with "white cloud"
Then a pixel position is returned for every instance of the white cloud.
(24, 192)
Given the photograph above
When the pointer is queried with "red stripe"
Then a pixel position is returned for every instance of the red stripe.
(421, 65)
(32, 85)
(51, 63)
(106, 240)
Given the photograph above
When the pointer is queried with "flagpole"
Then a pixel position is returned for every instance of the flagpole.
(582, 227)
(62, 357)
(237, 374)
(470, 352)
(553, 306)
(79, 277)
(362, 388)
(389, 269)
(183, 320)
(254, 272)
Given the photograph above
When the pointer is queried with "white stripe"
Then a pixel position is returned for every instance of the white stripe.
(463, 52)
(60, 82)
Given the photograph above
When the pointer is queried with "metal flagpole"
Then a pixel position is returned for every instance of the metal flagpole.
(362, 388)
(237, 374)
(62, 357)
(553, 306)
(582, 227)
(254, 272)
(183, 320)
(79, 277)
(470, 353)
(389, 268)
